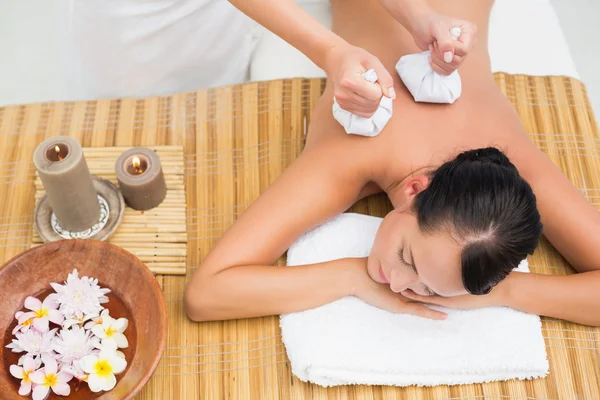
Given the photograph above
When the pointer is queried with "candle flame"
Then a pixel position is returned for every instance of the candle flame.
(137, 165)
(57, 150)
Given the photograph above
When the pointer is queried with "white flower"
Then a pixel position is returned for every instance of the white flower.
(111, 331)
(78, 321)
(47, 378)
(73, 344)
(102, 369)
(25, 321)
(79, 296)
(29, 366)
(33, 343)
(42, 313)
(97, 320)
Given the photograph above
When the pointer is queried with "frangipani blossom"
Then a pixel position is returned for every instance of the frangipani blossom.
(97, 320)
(111, 330)
(25, 321)
(78, 321)
(102, 369)
(42, 313)
(29, 366)
(77, 372)
(47, 378)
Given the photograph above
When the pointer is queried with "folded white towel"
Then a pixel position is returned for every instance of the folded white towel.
(353, 124)
(351, 342)
(424, 83)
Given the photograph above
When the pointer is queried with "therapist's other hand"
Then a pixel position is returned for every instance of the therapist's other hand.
(345, 65)
(431, 31)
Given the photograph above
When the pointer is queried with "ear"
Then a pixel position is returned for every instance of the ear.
(414, 186)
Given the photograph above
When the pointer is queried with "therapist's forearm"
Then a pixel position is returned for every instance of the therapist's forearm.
(289, 21)
(574, 298)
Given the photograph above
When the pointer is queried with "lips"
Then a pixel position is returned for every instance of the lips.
(382, 275)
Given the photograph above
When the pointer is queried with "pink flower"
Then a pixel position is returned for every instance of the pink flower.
(47, 378)
(42, 313)
(25, 321)
(33, 343)
(29, 365)
(76, 370)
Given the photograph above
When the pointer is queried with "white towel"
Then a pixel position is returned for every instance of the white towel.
(424, 83)
(351, 342)
(353, 124)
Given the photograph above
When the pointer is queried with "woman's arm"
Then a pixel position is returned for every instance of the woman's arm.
(573, 297)
(343, 63)
(237, 280)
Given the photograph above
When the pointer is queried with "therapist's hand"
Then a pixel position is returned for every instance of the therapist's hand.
(345, 65)
(431, 31)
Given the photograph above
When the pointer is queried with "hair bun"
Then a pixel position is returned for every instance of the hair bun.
(486, 155)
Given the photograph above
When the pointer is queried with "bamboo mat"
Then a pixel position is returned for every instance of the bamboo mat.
(237, 140)
(158, 237)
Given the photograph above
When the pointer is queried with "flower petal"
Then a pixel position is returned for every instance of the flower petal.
(98, 330)
(37, 376)
(120, 340)
(25, 388)
(119, 364)
(50, 365)
(109, 382)
(25, 316)
(107, 321)
(40, 392)
(29, 364)
(32, 303)
(56, 317)
(95, 383)
(121, 324)
(16, 371)
(50, 302)
(87, 363)
(41, 324)
(62, 389)
(56, 286)
(64, 376)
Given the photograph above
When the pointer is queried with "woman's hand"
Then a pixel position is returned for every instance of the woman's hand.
(432, 31)
(345, 65)
(381, 296)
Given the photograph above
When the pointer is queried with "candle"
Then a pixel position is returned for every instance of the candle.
(68, 184)
(141, 178)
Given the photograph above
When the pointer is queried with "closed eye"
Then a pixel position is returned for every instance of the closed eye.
(403, 261)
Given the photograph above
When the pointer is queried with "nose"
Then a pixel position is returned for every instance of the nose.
(400, 279)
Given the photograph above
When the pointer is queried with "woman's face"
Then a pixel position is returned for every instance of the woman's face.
(405, 258)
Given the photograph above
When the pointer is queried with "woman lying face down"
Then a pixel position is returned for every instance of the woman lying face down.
(462, 229)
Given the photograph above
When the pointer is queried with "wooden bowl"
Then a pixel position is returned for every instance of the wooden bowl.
(133, 288)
